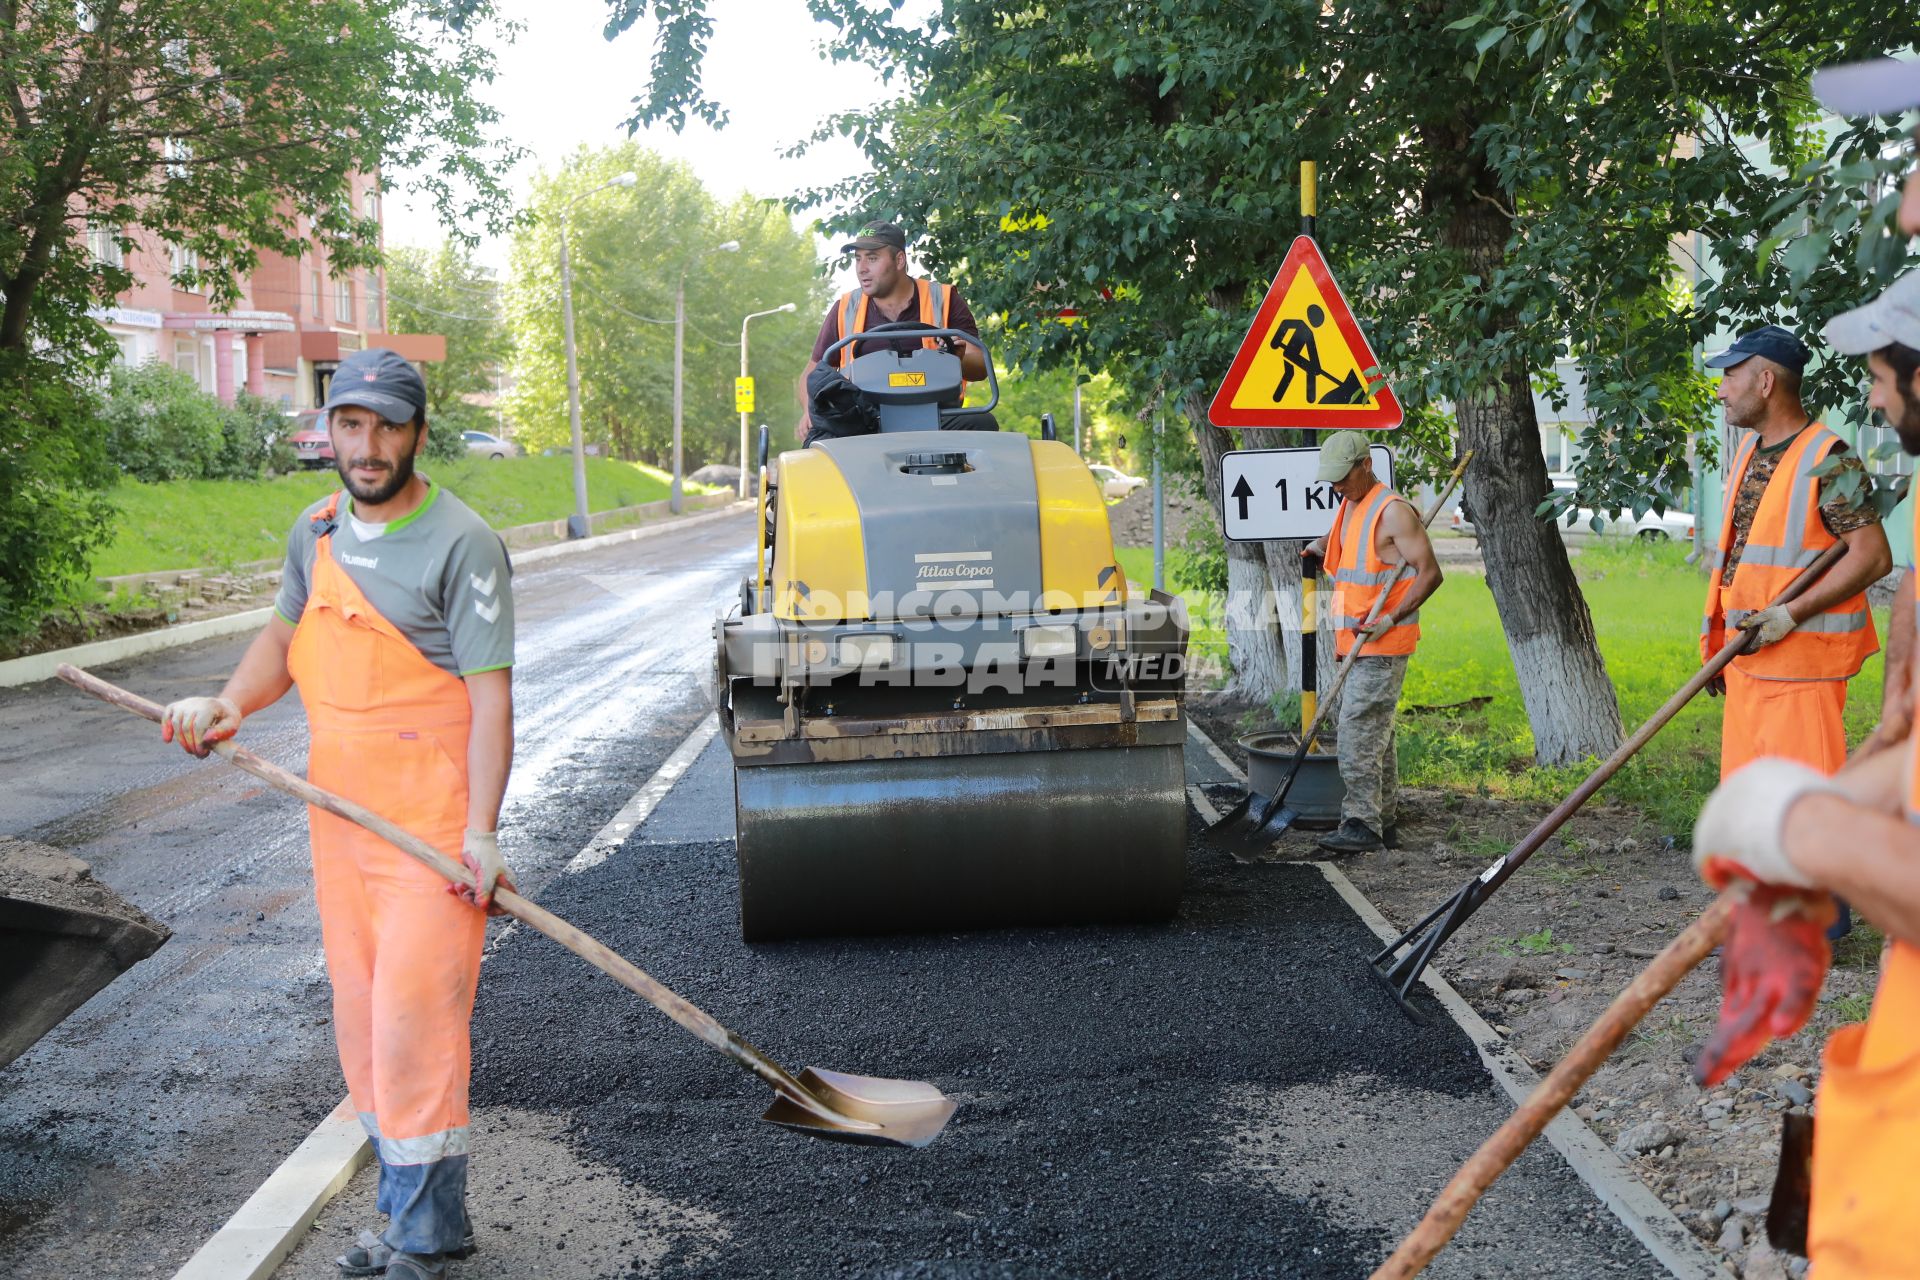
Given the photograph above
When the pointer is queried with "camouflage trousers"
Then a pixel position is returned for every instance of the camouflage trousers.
(1369, 763)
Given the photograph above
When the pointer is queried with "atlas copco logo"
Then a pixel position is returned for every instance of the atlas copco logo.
(952, 572)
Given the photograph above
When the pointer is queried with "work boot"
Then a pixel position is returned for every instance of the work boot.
(417, 1266)
(371, 1256)
(1352, 836)
(1390, 835)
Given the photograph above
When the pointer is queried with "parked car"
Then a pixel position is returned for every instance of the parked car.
(1651, 527)
(1115, 484)
(307, 433)
(483, 445)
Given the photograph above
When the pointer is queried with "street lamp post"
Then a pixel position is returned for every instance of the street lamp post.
(679, 346)
(577, 523)
(743, 373)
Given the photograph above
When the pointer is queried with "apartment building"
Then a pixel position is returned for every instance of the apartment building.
(296, 318)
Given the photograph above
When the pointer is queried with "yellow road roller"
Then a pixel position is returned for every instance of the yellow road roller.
(947, 707)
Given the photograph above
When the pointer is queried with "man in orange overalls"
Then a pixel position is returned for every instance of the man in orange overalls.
(1786, 696)
(1784, 838)
(395, 618)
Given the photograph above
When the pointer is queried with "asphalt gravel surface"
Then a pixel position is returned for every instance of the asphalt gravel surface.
(1227, 1095)
(133, 1130)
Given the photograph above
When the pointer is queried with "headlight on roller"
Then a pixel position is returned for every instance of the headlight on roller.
(1049, 642)
(866, 651)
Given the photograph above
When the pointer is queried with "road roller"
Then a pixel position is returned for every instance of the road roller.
(946, 705)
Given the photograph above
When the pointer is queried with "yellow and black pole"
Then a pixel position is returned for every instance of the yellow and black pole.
(1309, 565)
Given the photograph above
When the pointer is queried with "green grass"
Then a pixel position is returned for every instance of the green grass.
(1533, 944)
(1646, 608)
(192, 524)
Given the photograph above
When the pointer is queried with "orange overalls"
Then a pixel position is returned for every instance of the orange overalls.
(1358, 584)
(1788, 698)
(852, 305)
(389, 731)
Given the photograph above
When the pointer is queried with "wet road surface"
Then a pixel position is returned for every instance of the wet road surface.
(131, 1132)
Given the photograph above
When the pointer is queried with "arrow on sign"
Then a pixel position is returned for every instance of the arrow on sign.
(1243, 491)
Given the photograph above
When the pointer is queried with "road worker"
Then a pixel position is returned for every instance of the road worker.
(888, 295)
(1375, 532)
(1883, 87)
(1784, 839)
(1785, 696)
(395, 619)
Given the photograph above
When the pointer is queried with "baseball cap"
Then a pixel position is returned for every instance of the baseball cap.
(379, 380)
(1876, 87)
(877, 235)
(1770, 341)
(1892, 317)
(1338, 454)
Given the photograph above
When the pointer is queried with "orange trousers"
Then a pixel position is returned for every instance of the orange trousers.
(1798, 719)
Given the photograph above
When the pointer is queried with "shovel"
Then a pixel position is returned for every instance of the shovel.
(824, 1104)
(1245, 833)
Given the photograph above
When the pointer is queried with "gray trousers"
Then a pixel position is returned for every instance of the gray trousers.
(1369, 764)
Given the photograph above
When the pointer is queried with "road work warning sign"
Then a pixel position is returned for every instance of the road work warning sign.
(1304, 363)
(1271, 494)
(743, 395)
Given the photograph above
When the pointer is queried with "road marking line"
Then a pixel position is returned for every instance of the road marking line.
(263, 1231)
(1642, 1212)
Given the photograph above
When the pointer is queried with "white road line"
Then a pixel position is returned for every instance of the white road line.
(1586, 1153)
(260, 1235)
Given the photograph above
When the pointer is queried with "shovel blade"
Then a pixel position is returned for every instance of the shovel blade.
(877, 1111)
(1250, 828)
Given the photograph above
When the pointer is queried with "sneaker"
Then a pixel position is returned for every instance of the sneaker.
(1352, 836)
(371, 1256)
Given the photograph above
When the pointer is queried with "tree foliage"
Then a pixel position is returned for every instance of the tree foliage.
(629, 247)
(443, 290)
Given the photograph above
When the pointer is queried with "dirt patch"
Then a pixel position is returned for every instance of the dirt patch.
(44, 875)
(193, 598)
(1132, 517)
(1543, 957)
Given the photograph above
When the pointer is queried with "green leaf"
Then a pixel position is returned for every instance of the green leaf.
(1461, 24)
(1489, 38)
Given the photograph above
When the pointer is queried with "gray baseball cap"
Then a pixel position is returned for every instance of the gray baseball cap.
(1339, 453)
(1892, 317)
(877, 235)
(1876, 87)
(380, 380)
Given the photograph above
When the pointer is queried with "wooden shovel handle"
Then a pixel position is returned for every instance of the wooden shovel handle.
(1450, 1208)
(534, 916)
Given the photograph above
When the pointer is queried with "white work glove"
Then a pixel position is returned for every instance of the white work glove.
(481, 852)
(1741, 827)
(198, 723)
(1773, 624)
(1381, 625)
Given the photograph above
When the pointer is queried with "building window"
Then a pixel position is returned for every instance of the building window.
(319, 311)
(186, 358)
(373, 205)
(343, 300)
(177, 154)
(373, 309)
(103, 242)
(186, 268)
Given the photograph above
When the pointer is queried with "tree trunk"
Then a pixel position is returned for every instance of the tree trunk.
(1256, 648)
(1563, 680)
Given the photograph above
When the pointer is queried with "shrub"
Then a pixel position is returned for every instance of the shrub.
(254, 439)
(161, 426)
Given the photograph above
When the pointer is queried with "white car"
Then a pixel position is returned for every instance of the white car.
(1651, 527)
(482, 445)
(1115, 484)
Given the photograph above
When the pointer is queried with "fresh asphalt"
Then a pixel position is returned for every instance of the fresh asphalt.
(1228, 1094)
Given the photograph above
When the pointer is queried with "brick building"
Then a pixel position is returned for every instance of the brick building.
(283, 341)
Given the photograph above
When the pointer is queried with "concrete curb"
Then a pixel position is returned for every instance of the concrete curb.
(1605, 1173)
(41, 666)
(269, 1226)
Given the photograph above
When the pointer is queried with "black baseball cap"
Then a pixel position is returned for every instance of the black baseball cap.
(380, 380)
(1770, 341)
(877, 235)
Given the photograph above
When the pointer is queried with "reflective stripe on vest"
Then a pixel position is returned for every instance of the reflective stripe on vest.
(1359, 576)
(1786, 535)
(932, 298)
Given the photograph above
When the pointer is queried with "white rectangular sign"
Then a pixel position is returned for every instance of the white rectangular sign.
(1270, 494)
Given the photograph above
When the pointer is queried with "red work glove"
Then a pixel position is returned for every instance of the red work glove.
(1775, 955)
(198, 723)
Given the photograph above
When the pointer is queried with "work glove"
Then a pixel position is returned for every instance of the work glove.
(1381, 625)
(1716, 686)
(198, 723)
(1776, 953)
(1773, 624)
(480, 851)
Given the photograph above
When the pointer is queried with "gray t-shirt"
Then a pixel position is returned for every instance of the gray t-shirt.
(439, 574)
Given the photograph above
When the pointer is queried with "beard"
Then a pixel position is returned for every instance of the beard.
(1908, 425)
(372, 495)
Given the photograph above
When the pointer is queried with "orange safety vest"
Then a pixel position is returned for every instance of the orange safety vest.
(1867, 1129)
(852, 308)
(1355, 588)
(1787, 535)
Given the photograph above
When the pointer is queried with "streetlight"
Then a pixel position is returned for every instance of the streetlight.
(743, 373)
(679, 346)
(577, 523)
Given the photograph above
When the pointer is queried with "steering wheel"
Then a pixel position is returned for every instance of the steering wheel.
(894, 330)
